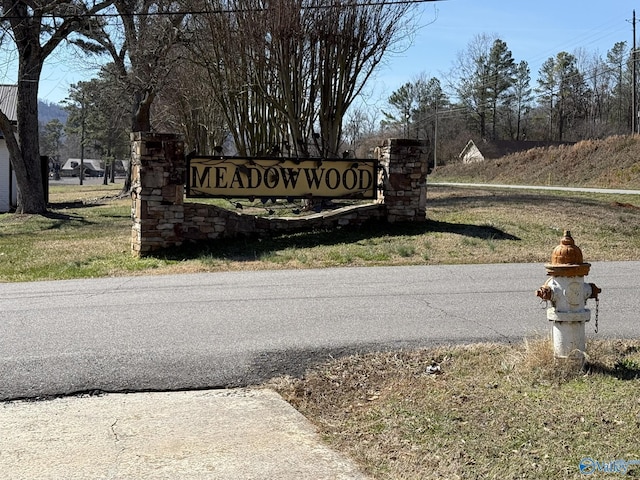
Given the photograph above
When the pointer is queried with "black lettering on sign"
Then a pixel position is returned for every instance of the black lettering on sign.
(200, 181)
(299, 178)
(313, 180)
(332, 179)
(271, 177)
(350, 179)
(254, 177)
(369, 177)
(220, 181)
(236, 181)
(290, 176)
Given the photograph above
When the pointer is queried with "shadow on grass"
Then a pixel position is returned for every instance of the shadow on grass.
(57, 221)
(64, 218)
(74, 204)
(63, 213)
(620, 370)
(626, 367)
(250, 248)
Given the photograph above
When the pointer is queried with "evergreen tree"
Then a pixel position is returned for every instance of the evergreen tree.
(484, 73)
(402, 103)
(500, 77)
(51, 139)
(616, 60)
(560, 80)
(519, 100)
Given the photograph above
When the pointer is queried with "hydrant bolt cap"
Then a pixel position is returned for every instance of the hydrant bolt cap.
(566, 259)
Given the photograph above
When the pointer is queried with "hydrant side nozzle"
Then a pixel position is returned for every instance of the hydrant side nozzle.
(594, 291)
(545, 293)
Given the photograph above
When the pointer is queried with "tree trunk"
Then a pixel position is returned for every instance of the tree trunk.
(140, 122)
(26, 163)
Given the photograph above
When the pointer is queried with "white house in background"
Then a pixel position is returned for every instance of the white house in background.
(494, 149)
(470, 153)
(8, 184)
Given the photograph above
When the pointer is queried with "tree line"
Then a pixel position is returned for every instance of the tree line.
(486, 95)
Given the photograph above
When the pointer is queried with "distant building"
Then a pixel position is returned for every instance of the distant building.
(92, 168)
(8, 184)
(493, 149)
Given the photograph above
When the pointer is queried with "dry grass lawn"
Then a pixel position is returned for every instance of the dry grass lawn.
(488, 411)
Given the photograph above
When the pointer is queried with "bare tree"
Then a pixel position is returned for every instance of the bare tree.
(361, 124)
(286, 72)
(352, 41)
(230, 42)
(187, 104)
(470, 78)
(139, 40)
(37, 29)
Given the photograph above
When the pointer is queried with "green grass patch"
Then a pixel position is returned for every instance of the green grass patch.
(86, 234)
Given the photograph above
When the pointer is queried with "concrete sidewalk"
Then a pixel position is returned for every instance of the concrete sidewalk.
(213, 434)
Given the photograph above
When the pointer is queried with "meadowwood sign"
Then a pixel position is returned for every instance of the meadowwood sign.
(161, 218)
(242, 177)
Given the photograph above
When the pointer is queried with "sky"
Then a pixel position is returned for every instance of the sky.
(533, 30)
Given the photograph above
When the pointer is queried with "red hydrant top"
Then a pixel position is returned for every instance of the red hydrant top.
(566, 259)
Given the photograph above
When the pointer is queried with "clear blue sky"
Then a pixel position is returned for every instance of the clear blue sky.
(534, 30)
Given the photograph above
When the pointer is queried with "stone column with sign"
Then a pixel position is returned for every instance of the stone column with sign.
(404, 167)
(157, 191)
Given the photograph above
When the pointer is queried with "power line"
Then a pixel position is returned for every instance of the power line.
(337, 4)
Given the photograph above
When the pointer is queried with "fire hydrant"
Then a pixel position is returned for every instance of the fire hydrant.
(568, 294)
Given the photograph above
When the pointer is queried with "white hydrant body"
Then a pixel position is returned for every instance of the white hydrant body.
(568, 294)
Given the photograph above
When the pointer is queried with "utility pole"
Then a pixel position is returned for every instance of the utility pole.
(435, 140)
(83, 125)
(634, 100)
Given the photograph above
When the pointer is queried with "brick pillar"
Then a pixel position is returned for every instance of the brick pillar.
(157, 191)
(405, 163)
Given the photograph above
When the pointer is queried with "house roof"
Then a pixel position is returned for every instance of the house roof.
(494, 149)
(9, 101)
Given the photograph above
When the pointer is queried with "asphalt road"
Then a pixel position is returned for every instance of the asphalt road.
(241, 328)
(609, 191)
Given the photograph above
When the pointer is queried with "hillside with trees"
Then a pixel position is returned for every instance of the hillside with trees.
(48, 111)
(613, 162)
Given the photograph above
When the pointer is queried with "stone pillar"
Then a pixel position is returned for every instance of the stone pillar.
(405, 167)
(157, 191)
